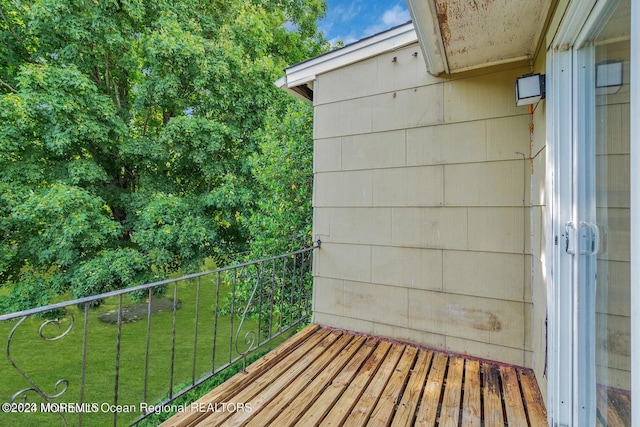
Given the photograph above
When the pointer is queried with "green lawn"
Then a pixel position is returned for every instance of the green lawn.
(49, 361)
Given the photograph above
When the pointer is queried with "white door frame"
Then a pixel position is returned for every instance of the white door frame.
(635, 213)
(560, 323)
(569, 402)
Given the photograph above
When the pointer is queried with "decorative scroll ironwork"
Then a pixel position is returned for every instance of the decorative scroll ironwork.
(269, 297)
(63, 383)
(251, 337)
(277, 286)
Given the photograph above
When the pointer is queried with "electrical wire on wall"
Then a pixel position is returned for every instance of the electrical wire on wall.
(524, 256)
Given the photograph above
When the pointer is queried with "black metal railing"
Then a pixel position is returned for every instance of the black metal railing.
(147, 350)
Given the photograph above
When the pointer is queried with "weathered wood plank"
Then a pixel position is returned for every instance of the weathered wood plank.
(268, 386)
(369, 398)
(609, 411)
(350, 397)
(428, 409)
(492, 396)
(512, 397)
(291, 415)
(223, 392)
(386, 407)
(284, 396)
(533, 399)
(326, 401)
(622, 403)
(471, 406)
(602, 406)
(324, 377)
(409, 402)
(450, 412)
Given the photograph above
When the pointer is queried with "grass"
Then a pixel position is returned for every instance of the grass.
(201, 390)
(46, 362)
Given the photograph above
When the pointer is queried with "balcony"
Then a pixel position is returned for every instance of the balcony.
(156, 353)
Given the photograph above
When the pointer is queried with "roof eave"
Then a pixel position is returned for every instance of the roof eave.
(304, 95)
(304, 73)
(427, 29)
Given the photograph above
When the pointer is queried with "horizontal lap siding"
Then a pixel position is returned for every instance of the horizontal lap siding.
(418, 201)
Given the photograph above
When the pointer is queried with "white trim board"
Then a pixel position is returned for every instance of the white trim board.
(635, 216)
(306, 72)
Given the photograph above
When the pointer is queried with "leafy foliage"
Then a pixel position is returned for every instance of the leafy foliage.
(132, 135)
(281, 218)
(283, 170)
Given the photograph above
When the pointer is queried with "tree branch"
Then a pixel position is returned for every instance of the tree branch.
(4, 18)
(8, 86)
(146, 121)
(115, 89)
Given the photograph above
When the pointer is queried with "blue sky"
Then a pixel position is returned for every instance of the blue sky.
(350, 21)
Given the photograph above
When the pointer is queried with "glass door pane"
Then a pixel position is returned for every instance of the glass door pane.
(612, 213)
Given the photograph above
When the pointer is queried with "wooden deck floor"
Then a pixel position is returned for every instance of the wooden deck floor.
(333, 378)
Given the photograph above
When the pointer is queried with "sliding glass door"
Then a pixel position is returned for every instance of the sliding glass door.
(609, 203)
(591, 381)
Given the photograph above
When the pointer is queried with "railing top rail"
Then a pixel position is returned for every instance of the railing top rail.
(123, 291)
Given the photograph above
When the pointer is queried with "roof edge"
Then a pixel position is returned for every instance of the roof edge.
(307, 71)
(302, 92)
(425, 17)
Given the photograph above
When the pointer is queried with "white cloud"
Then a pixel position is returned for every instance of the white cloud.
(347, 15)
(390, 18)
(340, 18)
(350, 21)
(395, 16)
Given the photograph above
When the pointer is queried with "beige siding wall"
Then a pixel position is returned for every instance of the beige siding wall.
(427, 212)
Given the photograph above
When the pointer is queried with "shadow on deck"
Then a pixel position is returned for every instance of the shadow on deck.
(332, 377)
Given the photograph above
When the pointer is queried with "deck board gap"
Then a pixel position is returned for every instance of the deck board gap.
(533, 400)
(522, 396)
(482, 393)
(442, 390)
(505, 417)
(462, 386)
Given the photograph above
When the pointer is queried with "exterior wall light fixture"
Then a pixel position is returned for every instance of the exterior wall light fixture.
(609, 77)
(530, 88)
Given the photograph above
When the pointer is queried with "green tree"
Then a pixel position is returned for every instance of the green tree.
(281, 218)
(127, 129)
(281, 221)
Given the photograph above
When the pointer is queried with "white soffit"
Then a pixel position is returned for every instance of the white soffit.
(460, 35)
(304, 73)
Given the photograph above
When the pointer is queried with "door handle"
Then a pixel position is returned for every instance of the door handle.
(591, 238)
(583, 239)
(569, 237)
